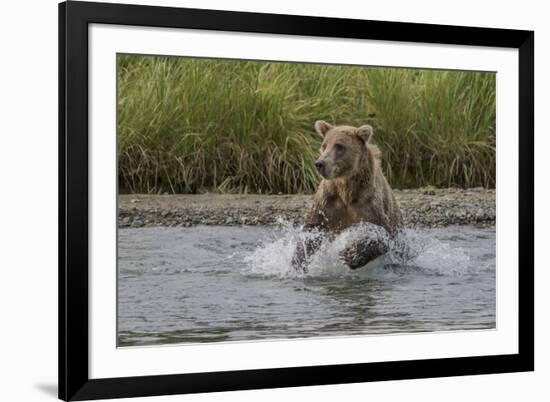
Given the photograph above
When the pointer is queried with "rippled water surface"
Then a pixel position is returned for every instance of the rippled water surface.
(218, 283)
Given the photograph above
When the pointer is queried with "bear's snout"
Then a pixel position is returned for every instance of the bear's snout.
(321, 167)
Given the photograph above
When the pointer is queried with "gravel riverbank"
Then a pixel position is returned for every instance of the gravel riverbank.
(421, 207)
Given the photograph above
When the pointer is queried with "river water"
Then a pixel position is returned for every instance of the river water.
(222, 283)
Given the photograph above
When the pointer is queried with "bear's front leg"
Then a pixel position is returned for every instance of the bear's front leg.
(304, 250)
(371, 246)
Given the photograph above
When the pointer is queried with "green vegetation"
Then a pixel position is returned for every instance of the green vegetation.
(196, 125)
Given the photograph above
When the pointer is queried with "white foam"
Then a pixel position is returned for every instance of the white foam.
(412, 250)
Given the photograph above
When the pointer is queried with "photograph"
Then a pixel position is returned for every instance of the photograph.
(253, 200)
(213, 201)
(274, 200)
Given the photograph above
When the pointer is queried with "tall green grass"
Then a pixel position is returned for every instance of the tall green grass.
(196, 125)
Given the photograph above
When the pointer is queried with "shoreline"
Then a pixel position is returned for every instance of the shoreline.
(424, 207)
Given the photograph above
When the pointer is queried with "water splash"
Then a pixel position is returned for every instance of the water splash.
(412, 251)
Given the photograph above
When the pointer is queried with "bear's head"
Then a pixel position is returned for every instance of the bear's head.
(344, 149)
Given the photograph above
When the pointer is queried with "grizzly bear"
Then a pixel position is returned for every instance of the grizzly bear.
(353, 191)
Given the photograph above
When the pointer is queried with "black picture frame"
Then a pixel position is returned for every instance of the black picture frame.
(74, 381)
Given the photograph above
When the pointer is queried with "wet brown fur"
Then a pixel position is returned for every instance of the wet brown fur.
(354, 189)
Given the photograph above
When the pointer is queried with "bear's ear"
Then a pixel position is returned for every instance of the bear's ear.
(322, 127)
(365, 133)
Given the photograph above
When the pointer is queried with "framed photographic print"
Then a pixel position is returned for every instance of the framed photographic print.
(257, 200)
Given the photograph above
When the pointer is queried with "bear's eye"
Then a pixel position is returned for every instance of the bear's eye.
(339, 147)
